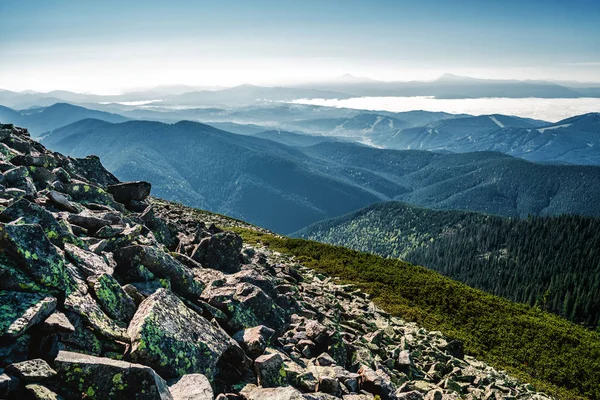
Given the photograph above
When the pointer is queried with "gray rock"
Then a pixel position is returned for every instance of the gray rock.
(103, 378)
(220, 251)
(88, 221)
(36, 370)
(128, 191)
(252, 392)
(58, 322)
(192, 387)
(325, 360)
(254, 340)
(61, 201)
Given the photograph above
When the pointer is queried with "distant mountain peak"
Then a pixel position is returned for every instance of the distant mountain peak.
(448, 77)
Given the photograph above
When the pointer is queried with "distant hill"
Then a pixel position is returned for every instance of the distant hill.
(526, 260)
(574, 140)
(286, 188)
(294, 139)
(44, 119)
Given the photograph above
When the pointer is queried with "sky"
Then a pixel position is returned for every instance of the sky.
(113, 46)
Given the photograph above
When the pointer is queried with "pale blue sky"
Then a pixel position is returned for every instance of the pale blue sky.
(107, 46)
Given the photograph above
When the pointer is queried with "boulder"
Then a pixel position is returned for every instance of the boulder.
(90, 264)
(269, 370)
(254, 340)
(246, 306)
(88, 221)
(175, 340)
(104, 378)
(31, 213)
(162, 265)
(86, 192)
(92, 169)
(19, 311)
(58, 322)
(36, 370)
(376, 383)
(80, 302)
(128, 191)
(220, 251)
(252, 392)
(28, 245)
(412, 395)
(61, 201)
(192, 387)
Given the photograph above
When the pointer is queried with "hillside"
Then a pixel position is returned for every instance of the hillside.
(44, 119)
(549, 262)
(286, 188)
(575, 140)
(108, 294)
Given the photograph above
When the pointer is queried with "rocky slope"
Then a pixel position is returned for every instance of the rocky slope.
(105, 294)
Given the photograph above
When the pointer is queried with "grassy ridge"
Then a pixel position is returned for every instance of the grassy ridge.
(559, 357)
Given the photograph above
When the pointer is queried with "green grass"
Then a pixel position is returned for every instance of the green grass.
(557, 356)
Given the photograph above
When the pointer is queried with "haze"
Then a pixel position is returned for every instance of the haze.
(115, 46)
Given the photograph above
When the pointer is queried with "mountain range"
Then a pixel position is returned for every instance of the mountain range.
(286, 188)
(449, 86)
(574, 140)
(446, 86)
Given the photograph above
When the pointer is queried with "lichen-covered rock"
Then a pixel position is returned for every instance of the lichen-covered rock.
(31, 213)
(220, 251)
(162, 265)
(103, 378)
(80, 302)
(36, 370)
(28, 245)
(19, 311)
(91, 169)
(269, 370)
(127, 191)
(174, 340)
(115, 302)
(192, 387)
(252, 392)
(86, 192)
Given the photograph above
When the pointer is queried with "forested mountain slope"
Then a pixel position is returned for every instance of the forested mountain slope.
(549, 262)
